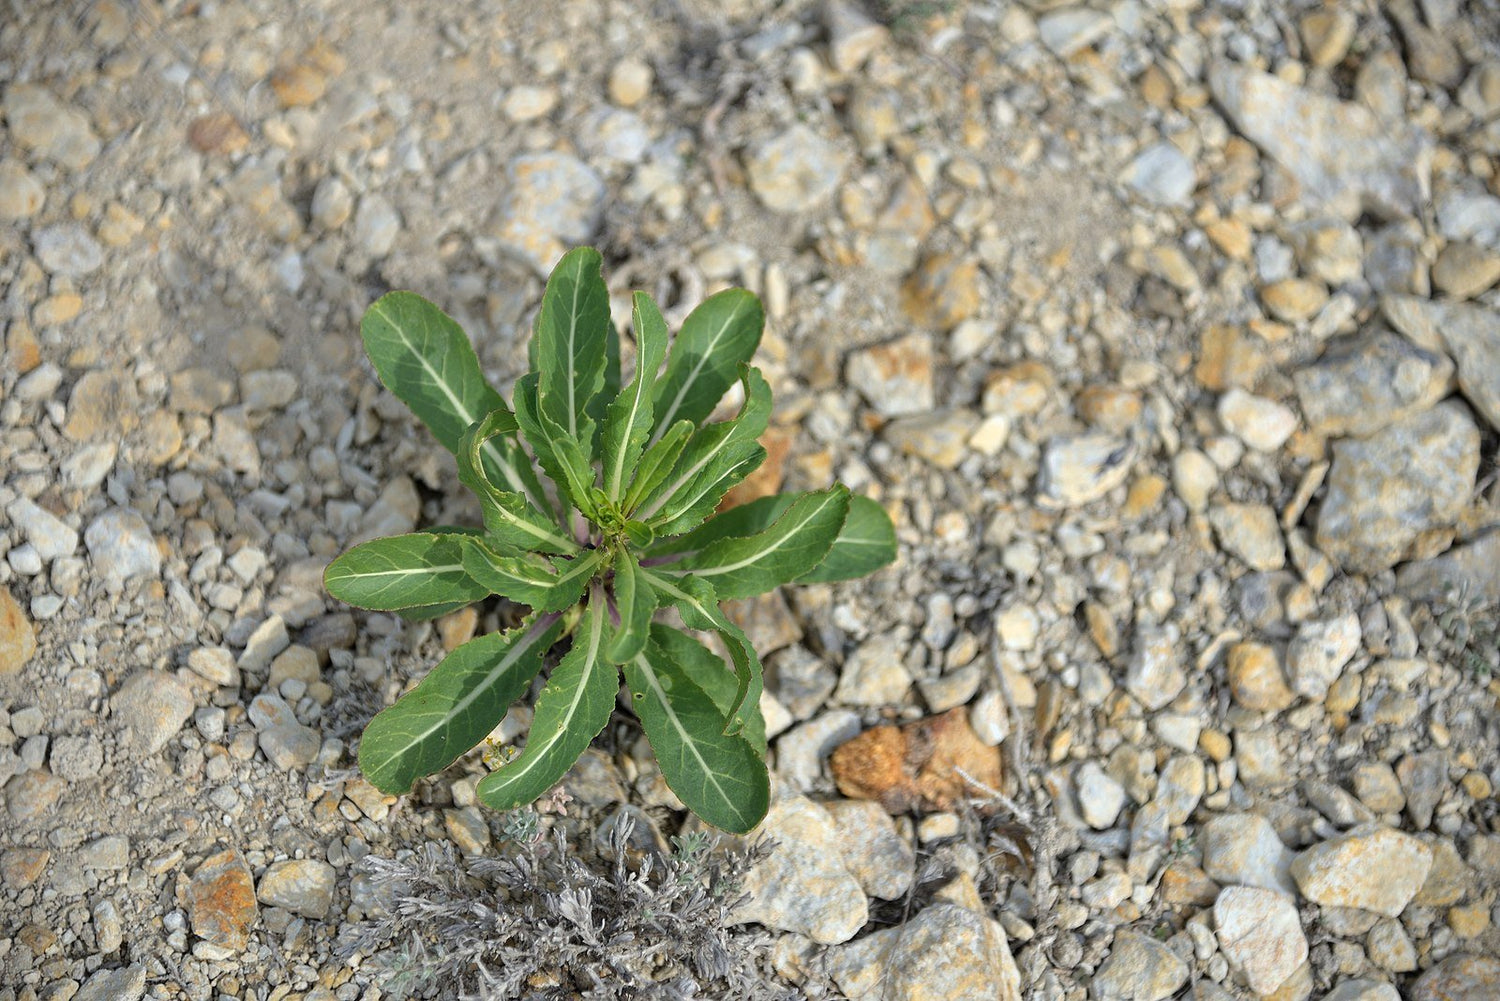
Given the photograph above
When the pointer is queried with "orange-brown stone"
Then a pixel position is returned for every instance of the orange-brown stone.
(925, 765)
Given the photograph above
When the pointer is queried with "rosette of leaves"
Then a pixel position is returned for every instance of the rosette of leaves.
(600, 499)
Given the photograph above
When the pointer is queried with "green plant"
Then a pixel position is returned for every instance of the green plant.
(618, 522)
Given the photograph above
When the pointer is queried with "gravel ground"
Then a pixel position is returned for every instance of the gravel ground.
(1167, 331)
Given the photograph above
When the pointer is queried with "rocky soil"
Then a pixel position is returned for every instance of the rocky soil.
(1166, 330)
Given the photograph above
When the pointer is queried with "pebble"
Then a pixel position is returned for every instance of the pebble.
(214, 664)
(876, 854)
(796, 172)
(1374, 868)
(1260, 423)
(1194, 478)
(109, 934)
(1327, 35)
(121, 546)
(1294, 300)
(1069, 30)
(1261, 935)
(527, 103)
(920, 764)
(31, 794)
(67, 249)
(1243, 849)
(125, 984)
(895, 378)
(1364, 383)
(553, 201)
(1318, 653)
(1250, 532)
(1155, 675)
(302, 886)
(942, 437)
(1256, 679)
(1473, 569)
(152, 706)
(611, 134)
(804, 886)
(942, 292)
(17, 634)
(945, 953)
(376, 225)
(1100, 797)
(38, 121)
(1387, 490)
(221, 901)
(1138, 968)
(1424, 780)
(21, 194)
(49, 534)
(630, 81)
(332, 203)
(1463, 270)
(1471, 335)
(801, 751)
(852, 36)
(1333, 148)
(874, 675)
(1459, 978)
(1078, 469)
(1163, 175)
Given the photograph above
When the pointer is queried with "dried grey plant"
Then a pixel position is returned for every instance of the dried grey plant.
(545, 921)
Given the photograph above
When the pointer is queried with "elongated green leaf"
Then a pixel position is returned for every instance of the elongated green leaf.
(792, 546)
(656, 464)
(715, 340)
(571, 342)
(404, 571)
(454, 707)
(635, 602)
(509, 517)
(423, 356)
(717, 457)
(426, 613)
(574, 466)
(710, 673)
(866, 542)
(543, 436)
(599, 405)
(629, 418)
(719, 777)
(696, 602)
(530, 580)
(571, 710)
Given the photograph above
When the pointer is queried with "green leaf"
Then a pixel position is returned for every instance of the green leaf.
(571, 710)
(866, 542)
(509, 517)
(577, 471)
(404, 571)
(719, 777)
(572, 332)
(528, 579)
(423, 356)
(792, 546)
(426, 613)
(710, 673)
(544, 435)
(657, 463)
(715, 340)
(454, 707)
(717, 457)
(635, 601)
(628, 421)
(696, 602)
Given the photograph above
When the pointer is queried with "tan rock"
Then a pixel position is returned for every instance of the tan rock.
(221, 901)
(1464, 269)
(917, 765)
(297, 85)
(943, 292)
(17, 635)
(1294, 299)
(630, 81)
(1374, 868)
(217, 132)
(1256, 679)
(1326, 34)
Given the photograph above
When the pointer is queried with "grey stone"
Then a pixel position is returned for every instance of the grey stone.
(290, 745)
(873, 851)
(38, 121)
(552, 201)
(1362, 990)
(874, 675)
(48, 533)
(1100, 797)
(1364, 383)
(127, 984)
(111, 852)
(1373, 868)
(152, 706)
(67, 249)
(804, 886)
(801, 751)
(1138, 968)
(1471, 334)
(1469, 572)
(945, 953)
(795, 172)
(1162, 174)
(376, 225)
(1317, 654)
(1333, 148)
(1155, 676)
(1387, 490)
(610, 134)
(896, 378)
(1251, 533)
(1242, 849)
(1459, 978)
(1261, 935)
(121, 546)
(1080, 468)
(302, 886)
(1069, 30)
